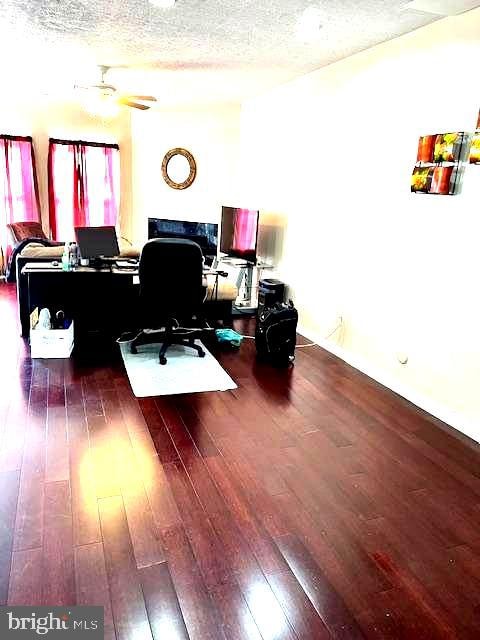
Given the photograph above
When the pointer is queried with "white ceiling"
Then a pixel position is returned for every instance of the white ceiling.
(200, 51)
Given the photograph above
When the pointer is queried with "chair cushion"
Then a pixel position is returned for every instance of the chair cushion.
(34, 250)
(50, 253)
(128, 251)
(23, 230)
(226, 290)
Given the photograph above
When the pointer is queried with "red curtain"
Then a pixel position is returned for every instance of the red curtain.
(83, 186)
(19, 200)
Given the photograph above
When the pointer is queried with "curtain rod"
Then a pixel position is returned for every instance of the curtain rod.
(10, 137)
(84, 142)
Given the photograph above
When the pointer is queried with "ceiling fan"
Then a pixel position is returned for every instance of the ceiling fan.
(108, 91)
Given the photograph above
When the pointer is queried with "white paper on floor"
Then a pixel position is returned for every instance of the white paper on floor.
(184, 372)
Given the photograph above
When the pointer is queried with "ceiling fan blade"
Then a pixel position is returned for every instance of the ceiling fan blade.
(144, 98)
(104, 86)
(135, 105)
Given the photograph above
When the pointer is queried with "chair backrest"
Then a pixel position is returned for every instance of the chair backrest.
(171, 281)
(23, 230)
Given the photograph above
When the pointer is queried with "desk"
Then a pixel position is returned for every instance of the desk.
(103, 302)
(247, 284)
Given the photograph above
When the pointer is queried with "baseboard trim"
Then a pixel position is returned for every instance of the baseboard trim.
(452, 418)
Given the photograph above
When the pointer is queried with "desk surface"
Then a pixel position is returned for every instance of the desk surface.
(47, 267)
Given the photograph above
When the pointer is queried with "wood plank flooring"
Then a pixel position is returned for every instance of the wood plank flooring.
(309, 503)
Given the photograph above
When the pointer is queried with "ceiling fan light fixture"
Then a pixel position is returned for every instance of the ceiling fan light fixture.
(163, 4)
(101, 105)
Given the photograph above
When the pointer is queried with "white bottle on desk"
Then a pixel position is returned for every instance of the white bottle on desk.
(73, 255)
(66, 257)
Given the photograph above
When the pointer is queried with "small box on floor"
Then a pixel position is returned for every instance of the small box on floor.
(50, 343)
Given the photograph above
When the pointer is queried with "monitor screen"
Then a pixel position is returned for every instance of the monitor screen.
(239, 233)
(205, 234)
(97, 242)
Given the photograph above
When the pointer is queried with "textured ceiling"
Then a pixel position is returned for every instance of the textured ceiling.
(200, 50)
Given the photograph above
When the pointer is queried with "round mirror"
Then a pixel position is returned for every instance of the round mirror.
(178, 168)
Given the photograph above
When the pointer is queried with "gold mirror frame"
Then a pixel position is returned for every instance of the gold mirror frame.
(191, 163)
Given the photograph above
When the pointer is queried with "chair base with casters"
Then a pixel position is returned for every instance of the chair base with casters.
(167, 337)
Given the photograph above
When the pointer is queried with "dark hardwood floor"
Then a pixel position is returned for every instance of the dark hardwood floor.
(308, 503)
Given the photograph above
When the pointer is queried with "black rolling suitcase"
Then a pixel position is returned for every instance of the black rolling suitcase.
(276, 334)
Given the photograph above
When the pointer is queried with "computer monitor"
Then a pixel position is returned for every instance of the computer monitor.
(205, 234)
(238, 237)
(97, 242)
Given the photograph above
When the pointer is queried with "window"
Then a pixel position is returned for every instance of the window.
(83, 186)
(18, 184)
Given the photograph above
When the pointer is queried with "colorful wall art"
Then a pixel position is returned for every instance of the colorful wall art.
(435, 180)
(475, 148)
(425, 148)
(439, 158)
(448, 147)
(422, 179)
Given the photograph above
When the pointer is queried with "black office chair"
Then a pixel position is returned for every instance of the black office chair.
(171, 292)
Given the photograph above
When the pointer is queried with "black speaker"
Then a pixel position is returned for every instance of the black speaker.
(270, 291)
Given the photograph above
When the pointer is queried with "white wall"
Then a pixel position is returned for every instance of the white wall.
(42, 118)
(211, 135)
(333, 154)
